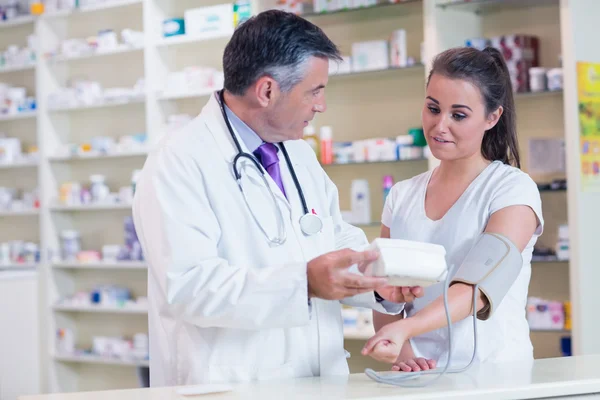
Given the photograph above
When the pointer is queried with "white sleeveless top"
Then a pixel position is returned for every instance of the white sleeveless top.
(505, 335)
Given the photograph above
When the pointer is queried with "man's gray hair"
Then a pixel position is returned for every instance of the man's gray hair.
(277, 44)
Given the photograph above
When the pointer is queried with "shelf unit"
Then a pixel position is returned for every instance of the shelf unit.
(98, 224)
(20, 283)
(14, 117)
(90, 359)
(361, 105)
(18, 267)
(101, 309)
(102, 265)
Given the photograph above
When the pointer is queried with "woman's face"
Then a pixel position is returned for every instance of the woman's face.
(454, 118)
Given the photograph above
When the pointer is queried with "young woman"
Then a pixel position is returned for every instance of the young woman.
(469, 123)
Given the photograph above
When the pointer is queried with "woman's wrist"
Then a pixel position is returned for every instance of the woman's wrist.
(411, 326)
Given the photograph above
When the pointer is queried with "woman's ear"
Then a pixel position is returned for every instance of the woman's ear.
(493, 118)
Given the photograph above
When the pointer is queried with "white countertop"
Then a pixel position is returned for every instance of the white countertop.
(542, 379)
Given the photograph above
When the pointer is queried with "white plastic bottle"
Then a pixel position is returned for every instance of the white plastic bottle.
(361, 201)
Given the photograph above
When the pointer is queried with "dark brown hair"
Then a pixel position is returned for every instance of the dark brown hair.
(486, 69)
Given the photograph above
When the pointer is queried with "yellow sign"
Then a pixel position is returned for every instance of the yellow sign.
(588, 87)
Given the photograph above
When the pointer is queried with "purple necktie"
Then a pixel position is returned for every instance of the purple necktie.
(267, 155)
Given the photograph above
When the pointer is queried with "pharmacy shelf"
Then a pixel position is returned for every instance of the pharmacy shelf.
(23, 20)
(19, 213)
(107, 104)
(489, 6)
(101, 309)
(354, 334)
(551, 259)
(98, 54)
(93, 359)
(371, 225)
(116, 265)
(561, 331)
(187, 39)
(21, 164)
(18, 266)
(98, 156)
(379, 4)
(372, 162)
(545, 93)
(91, 207)
(21, 115)
(106, 5)
(550, 190)
(349, 75)
(183, 96)
(7, 70)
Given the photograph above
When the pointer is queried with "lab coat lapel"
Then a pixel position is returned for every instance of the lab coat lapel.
(215, 123)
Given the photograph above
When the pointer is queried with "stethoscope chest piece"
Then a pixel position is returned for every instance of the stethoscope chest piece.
(310, 224)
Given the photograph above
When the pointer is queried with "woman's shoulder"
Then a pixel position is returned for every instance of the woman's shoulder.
(504, 175)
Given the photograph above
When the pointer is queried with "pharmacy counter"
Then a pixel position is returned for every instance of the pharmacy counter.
(549, 378)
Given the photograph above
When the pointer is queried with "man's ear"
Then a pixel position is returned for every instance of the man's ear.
(266, 91)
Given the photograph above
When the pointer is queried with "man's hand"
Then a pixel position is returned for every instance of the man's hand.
(329, 276)
(401, 294)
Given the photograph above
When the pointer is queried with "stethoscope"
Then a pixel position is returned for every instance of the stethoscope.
(310, 224)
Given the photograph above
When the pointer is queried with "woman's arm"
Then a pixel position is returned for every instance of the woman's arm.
(460, 296)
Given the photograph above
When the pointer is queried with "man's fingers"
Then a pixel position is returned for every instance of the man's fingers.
(351, 257)
(431, 363)
(417, 291)
(354, 281)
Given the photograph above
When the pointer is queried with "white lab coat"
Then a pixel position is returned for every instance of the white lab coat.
(225, 305)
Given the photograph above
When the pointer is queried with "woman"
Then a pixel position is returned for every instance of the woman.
(469, 123)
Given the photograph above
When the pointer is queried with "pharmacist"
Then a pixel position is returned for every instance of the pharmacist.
(249, 258)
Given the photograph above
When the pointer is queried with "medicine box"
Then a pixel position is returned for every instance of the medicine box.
(173, 27)
(371, 55)
(212, 21)
(408, 263)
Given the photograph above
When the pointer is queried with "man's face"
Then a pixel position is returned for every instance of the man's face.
(292, 111)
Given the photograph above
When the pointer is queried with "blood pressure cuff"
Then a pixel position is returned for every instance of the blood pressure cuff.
(494, 263)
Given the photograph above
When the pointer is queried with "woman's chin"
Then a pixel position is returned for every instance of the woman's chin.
(443, 155)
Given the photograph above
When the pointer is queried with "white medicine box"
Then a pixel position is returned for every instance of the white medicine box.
(207, 22)
(371, 55)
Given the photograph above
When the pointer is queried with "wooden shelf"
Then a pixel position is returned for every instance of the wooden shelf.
(490, 6)
(372, 162)
(93, 359)
(101, 309)
(356, 74)
(117, 265)
(379, 4)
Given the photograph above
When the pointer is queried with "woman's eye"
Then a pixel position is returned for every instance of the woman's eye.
(459, 117)
(434, 110)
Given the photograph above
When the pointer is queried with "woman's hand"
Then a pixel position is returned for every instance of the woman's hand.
(414, 364)
(390, 344)
(386, 344)
(400, 294)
